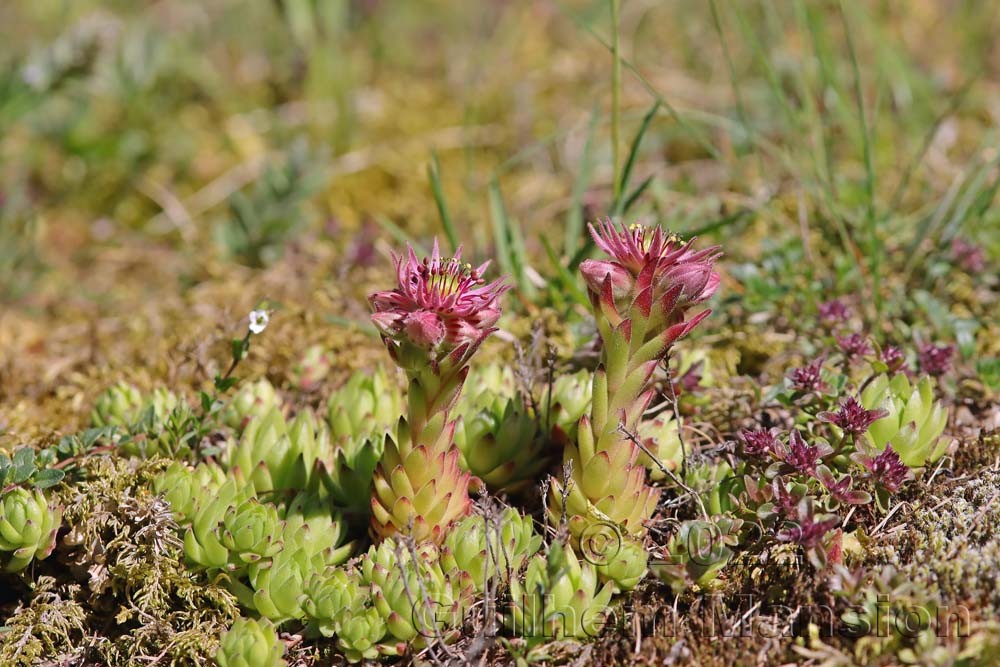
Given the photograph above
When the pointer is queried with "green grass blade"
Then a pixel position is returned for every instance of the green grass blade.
(633, 154)
(574, 216)
(634, 197)
(434, 175)
(509, 242)
(616, 99)
(565, 282)
(675, 115)
(871, 221)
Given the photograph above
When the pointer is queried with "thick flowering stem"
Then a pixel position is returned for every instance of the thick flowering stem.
(641, 297)
(432, 323)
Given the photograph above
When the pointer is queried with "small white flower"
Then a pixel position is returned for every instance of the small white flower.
(258, 321)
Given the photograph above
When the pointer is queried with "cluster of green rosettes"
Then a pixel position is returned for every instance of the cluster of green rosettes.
(279, 512)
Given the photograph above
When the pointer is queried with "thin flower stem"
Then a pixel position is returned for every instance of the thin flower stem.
(670, 473)
(616, 84)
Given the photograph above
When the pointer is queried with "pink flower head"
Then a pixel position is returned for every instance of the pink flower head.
(936, 359)
(758, 442)
(651, 275)
(440, 306)
(852, 417)
(809, 378)
(886, 468)
(637, 249)
(854, 346)
(968, 256)
(893, 358)
(808, 528)
(834, 312)
(802, 456)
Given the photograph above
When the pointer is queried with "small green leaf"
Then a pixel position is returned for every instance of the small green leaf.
(48, 477)
(24, 456)
(225, 384)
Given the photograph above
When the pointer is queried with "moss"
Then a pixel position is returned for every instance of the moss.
(51, 625)
(951, 545)
(126, 569)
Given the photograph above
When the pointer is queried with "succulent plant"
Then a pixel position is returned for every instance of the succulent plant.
(500, 444)
(275, 455)
(606, 486)
(250, 643)
(277, 587)
(253, 399)
(913, 422)
(328, 596)
(697, 552)
(432, 322)
(203, 538)
(640, 296)
(559, 598)
(250, 532)
(184, 487)
(419, 491)
(490, 549)
(622, 562)
(368, 405)
(311, 524)
(569, 401)
(308, 372)
(160, 427)
(118, 405)
(661, 438)
(28, 527)
(417, 600)
(361, 631)
(347, 474)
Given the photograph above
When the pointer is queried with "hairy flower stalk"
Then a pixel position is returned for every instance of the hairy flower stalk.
(432, 323)
(641, 297)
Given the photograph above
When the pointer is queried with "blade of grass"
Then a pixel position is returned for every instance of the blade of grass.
(616, 99)
(565, 282)
(827, 81)
(871, 221)
(650, 89)
(626, 174)
(904, 182)
(722, 223)
(731, 68)
(509, 242)
(434, 175)
(574, 216)
(634, 197)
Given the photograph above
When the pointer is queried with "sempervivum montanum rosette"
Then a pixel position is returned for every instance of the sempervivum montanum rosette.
(250, 643)
(432, 323)
(497, 431)
(641, 297)
(28, 526)
(913, 422)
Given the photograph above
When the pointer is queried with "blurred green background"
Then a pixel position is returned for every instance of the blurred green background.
(164, 165)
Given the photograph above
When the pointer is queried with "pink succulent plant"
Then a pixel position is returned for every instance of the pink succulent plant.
(437, 316)
(852, 417)
(439, 307)
(936, 359)
(652, 274)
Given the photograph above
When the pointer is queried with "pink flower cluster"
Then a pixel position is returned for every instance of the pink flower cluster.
(440, 307)
(852, 417)
(651, 275)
